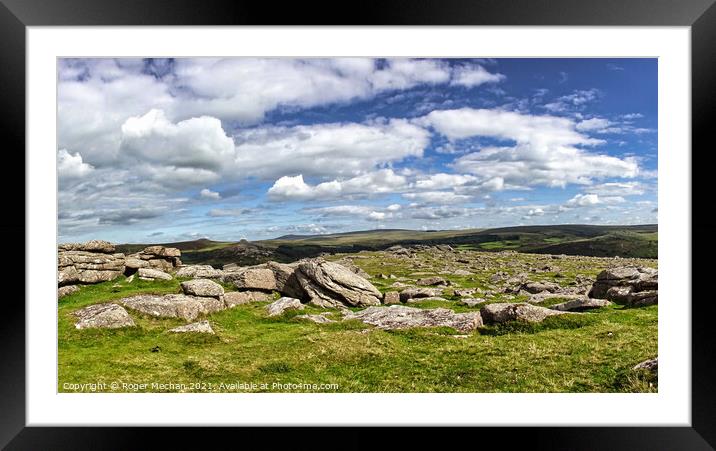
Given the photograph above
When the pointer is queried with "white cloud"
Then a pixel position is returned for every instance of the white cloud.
(379, 182)
(245, 89)
(543, 153)
(209, 194)
(575, 101)
(617, 189)
(592, 124)
(471, 76)
(365, 212)
(327, 149)
(438, 197)
(583, 200)
(443, 180)
(71, 166)
(193, 143)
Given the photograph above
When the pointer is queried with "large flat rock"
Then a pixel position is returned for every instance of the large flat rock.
(103, 316)
(173, 305)
(402, 317)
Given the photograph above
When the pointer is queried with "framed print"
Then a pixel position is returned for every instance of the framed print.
(455, 223)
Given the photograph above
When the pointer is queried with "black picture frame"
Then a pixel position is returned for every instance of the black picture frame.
(16, 15)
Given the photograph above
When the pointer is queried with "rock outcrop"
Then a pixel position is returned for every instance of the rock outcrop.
(286, 281)
(391, 297)
(104, 316)
(628, 285)
(403, 317)
(199, 272)
(203, 287)
(154, 257)
(505, 312)
(153, 274)
(88, 263)
(329, 284)
(252, 278)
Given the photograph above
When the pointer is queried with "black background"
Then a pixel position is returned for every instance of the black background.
(15, 15)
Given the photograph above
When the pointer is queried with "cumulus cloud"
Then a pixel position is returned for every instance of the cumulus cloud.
(582, 200)
(245, 89)
(377, 182)
(71, 166)
(209, 194)
(544, 151)
(595, 123)
(327, 149)
(196, 143)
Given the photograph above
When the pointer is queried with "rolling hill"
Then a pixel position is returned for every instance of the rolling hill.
(572, 239)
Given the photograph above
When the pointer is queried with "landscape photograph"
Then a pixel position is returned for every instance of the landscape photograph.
(357, 225)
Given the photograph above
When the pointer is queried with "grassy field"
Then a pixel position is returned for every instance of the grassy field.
(591, 352)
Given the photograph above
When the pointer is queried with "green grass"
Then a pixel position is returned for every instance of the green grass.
(591, 352)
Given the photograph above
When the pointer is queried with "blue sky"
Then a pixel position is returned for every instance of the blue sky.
(158, 150)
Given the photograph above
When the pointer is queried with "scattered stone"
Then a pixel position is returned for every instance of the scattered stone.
(403, 317)
(105, 316)
(539, 287)
(472, 302)
(581, 304)
(234, 298)
(431, 298)
(278, 307)
(391, 297)
(67, 290)
(202, 287)
(201, 327)
(431, 281)
(199, 272)
(505, 312)
(412, 293)
(153, 274)
(462, 272)
(651, 365)
(318, 319)
(544, 296)
(465, 291)
(330, 285)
